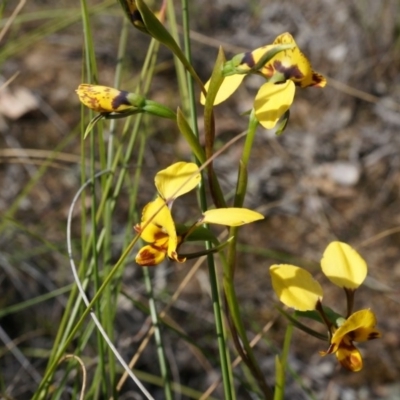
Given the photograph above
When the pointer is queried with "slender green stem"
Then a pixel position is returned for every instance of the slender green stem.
(229, 267)
(350, 301)
(158, 337)
(109, 300)
(229, 392)
(281, 365)
(92, 76)
(185, 90)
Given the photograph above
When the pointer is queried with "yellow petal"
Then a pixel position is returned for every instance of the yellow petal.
(157, 213)
(349, 357)
(295, 287)
(151, 233)
(343, 266)
(177, 180)
(250, 59)
(228, 87)
(272, 101)
(103, 98)
(293, 64)
(150, 255)
(359, 327)
(231, 216)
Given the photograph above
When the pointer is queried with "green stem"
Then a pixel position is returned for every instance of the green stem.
(227, 378)
(109, 300)
(229, 268)
(281, 365)
(158, 337)
(209, 128)
(350, 301)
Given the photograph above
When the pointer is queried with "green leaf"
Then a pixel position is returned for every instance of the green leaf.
(133, 14)
(215, 83)
(157, 30)
(190, 137)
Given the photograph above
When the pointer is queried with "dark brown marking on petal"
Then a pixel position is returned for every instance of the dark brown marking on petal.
(120, 100)
(347, 346)
(160, 235)
(147, 258)
(317, 79)
(163, 248)
(374, 335)
(248, 59)
(292, 72)
(351, 335)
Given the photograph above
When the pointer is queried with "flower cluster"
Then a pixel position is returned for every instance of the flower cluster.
(284, 69)
(157, 226)
(297, 289)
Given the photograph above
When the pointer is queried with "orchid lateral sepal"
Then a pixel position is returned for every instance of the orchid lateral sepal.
(301, 326)
(230, 216)
(328, 323)
(282, 123)
(205, 252)
(331, 315)
(196, 233)
(91, 124)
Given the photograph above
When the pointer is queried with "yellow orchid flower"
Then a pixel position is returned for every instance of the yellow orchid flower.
(157, 228)
(359, 327)
(103, 99)
(114, 103)
(284, 71)
(344, 267)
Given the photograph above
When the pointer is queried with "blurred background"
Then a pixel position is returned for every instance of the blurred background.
(333, 174)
